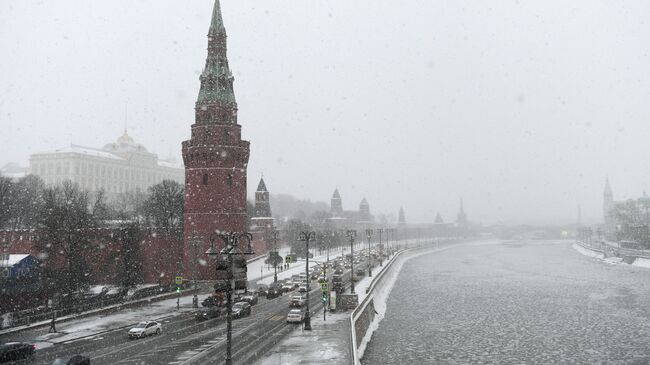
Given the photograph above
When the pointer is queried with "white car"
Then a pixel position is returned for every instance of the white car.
(294, 316)
(144, 329)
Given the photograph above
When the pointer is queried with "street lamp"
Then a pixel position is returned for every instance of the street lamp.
(351, 233)
(306, 236)
(275, 255)
(369, 234)
(231, 248)
(381, 248)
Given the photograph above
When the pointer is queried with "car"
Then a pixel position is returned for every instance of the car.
(14, 351)
(73, 360)
(262, 290)
(144, 329)
(274, 292)
(297, 301)
(210, 301)
(295, 316)
(207, 313)
(287, 288)
(296, 284)
(249, 298)
(338, 270)
(241, 309)
(302, 288)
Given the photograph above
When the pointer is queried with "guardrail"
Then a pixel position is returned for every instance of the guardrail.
(608, 249)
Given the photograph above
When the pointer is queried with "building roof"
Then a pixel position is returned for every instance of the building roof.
(13, 260)
(88, 151)
(261, 186)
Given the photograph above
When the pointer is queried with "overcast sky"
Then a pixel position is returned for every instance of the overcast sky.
(520, 107)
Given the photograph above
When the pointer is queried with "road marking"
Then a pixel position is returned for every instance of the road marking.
(277, 318)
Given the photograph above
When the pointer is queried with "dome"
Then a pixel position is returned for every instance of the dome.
(124, 144)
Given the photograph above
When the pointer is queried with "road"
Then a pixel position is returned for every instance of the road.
(517, 302)
(184, 340)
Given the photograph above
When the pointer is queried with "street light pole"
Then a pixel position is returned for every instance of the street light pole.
(351, 233)
(381, 249)
(231, 248)
(369, 234)
(307, 236)
(275, 249)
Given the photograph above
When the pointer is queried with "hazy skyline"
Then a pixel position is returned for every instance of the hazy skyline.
(520, 108)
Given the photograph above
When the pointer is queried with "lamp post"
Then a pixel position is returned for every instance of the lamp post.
(275, 250)
(369, 234)
(231, 248)
(306, 236)
(381, 248)
(195, 242)
(351, 233)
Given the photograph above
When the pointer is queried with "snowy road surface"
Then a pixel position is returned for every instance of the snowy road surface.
(514, 303)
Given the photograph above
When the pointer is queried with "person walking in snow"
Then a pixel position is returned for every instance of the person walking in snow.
(52, 326)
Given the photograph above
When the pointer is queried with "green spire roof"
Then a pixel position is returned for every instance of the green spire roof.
(216, 25)
(216, 78)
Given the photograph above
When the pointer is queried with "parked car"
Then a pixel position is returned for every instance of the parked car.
(297, 301)
(249, 298)
(144, 329)
(73, 360)
(295, 316)
(207, 313)
(14, 351)
(241, 309)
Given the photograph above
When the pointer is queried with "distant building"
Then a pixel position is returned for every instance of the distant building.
(17, 265)
(262, 218)
(401, 218)
(342, 219)
(116, 168)
(626, 219)
(13, 171)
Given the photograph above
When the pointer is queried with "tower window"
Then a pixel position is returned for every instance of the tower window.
(205, 179)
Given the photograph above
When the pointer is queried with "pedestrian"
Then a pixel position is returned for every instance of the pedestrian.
(52, 326)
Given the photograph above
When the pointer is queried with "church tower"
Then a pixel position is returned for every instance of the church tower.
(215, 156)
(336, 207)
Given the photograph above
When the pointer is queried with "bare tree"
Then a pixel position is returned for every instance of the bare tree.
(164, 206)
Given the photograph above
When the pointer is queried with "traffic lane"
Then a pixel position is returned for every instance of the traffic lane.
(174, 343)
(107, 341)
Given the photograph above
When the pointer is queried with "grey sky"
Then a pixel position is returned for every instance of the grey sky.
(520, 107)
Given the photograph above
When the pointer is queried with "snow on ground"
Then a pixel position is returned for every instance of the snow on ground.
(587, 252)
(639, 262)
(326, 343)
(95, 325)
(642, 262)
(253, 268)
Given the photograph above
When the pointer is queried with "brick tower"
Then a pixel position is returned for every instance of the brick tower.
(215, 158)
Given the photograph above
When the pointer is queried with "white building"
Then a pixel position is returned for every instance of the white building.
(117, 168)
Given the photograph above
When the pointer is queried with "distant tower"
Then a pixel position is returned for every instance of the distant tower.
(461, 219)
(262, 204)
(364, 211)
(215, 156)
(336, 204)
(262, 218)
(438, 219)
(608, 204)
(401, 219)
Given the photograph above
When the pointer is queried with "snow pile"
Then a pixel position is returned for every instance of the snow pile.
(642, 262)
(588, 252)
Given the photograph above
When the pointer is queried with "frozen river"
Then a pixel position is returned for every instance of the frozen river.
(512, 303)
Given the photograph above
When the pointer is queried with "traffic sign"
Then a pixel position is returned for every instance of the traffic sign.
(179, 280)
(323, 287)
(288, 259)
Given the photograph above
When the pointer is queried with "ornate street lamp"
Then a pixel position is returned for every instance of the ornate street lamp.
(369, 235)
(307, 236)
(231, 248)
(351, 233)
